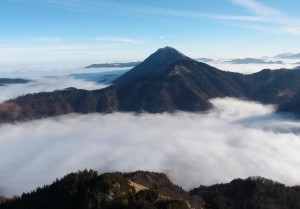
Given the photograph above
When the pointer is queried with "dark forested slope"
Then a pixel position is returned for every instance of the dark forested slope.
(251, 193)
(149, 190)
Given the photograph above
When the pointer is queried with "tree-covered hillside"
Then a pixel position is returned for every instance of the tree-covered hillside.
(149, 190)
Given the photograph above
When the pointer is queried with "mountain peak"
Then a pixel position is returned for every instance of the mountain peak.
(155, 62)
(170, 52)
(167, 48)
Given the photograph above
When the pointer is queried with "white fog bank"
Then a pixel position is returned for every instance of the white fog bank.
(46, 84)
(236, 139)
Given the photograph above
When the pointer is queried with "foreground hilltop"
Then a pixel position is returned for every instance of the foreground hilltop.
(167, 81)
(149, 190)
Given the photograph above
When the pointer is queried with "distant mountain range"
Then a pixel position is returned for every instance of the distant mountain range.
(114, 65)
(167, 81)
(6, 81)
(149, 190)
(204, 60)
(288, 56)
(106, 77)
(297, 68)
(253, 61)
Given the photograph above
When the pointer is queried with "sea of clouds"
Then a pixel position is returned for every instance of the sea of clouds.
(235, 139)
(46, 84)
(48, 79)
(226, 65)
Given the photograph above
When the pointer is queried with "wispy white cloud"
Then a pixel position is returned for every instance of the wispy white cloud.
(28, 48)
(69, 53)
(261, 13)
(277, 20)
(73, 4)
(47, 39)
(258, 8)
(193, 14)
(295, 30)
(163, 37)
(46, 84)
(119, 40)
(238, 18)
(95, 6)
(34, 40)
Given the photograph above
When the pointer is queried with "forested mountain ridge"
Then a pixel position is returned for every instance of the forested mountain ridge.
(149, 190)
(250, 193)
(88, 190)
(160, 84)
(114, 65)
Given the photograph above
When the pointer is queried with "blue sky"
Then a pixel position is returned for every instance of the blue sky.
(114, 30)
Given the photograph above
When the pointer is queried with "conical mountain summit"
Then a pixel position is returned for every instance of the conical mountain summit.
(155, 62)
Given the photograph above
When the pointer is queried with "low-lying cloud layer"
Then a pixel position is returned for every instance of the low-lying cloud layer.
(46, 84)
(236, 139)
(48, 79)
(251, 68)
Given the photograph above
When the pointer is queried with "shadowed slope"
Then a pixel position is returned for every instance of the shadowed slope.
(155, 62)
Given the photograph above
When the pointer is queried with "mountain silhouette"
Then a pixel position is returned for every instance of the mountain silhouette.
(167, 81)
(114, 65)
(155, 62)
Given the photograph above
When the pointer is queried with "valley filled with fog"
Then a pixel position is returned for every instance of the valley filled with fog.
(149, 104)
(226, 65)
(45, 79)
(235, 139)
